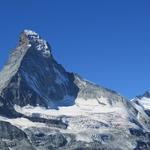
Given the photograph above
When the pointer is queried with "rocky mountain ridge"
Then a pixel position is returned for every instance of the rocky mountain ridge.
(50, 108)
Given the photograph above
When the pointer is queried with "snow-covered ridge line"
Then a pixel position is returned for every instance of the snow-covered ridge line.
(22, 123)
(81, 107)
(144, 101)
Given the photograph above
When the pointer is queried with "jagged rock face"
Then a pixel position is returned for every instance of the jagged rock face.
(88, 90)
(42, 106)
(13, 137)
(32, 76)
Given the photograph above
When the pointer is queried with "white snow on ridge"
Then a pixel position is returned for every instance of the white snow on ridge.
(85, 118)
(22, 123)
(81, 107)
(30, 33)
(145, 102)
(82, 117)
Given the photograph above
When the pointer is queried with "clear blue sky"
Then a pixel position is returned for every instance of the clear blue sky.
(106, 41)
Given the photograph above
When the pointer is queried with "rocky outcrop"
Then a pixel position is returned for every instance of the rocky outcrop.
(12, 137)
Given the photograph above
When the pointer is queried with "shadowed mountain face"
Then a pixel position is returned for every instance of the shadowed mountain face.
(7, 110)
(32, 76)
(42, 106)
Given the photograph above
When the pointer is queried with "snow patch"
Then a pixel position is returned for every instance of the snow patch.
(30, 33)
(22, 123)
(80, 107)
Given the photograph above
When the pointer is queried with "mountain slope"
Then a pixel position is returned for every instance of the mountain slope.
(56, 109)
(33, 75)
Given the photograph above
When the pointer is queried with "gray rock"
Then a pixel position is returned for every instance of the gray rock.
(13, 137)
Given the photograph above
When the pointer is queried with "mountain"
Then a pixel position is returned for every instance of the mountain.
(143, 101)
(44, 107)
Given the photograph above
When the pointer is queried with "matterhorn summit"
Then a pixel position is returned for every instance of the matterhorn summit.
(45, 107)
(31, 38)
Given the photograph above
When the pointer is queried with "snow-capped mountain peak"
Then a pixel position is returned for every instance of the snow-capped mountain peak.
(32, 38)
(42, 106)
